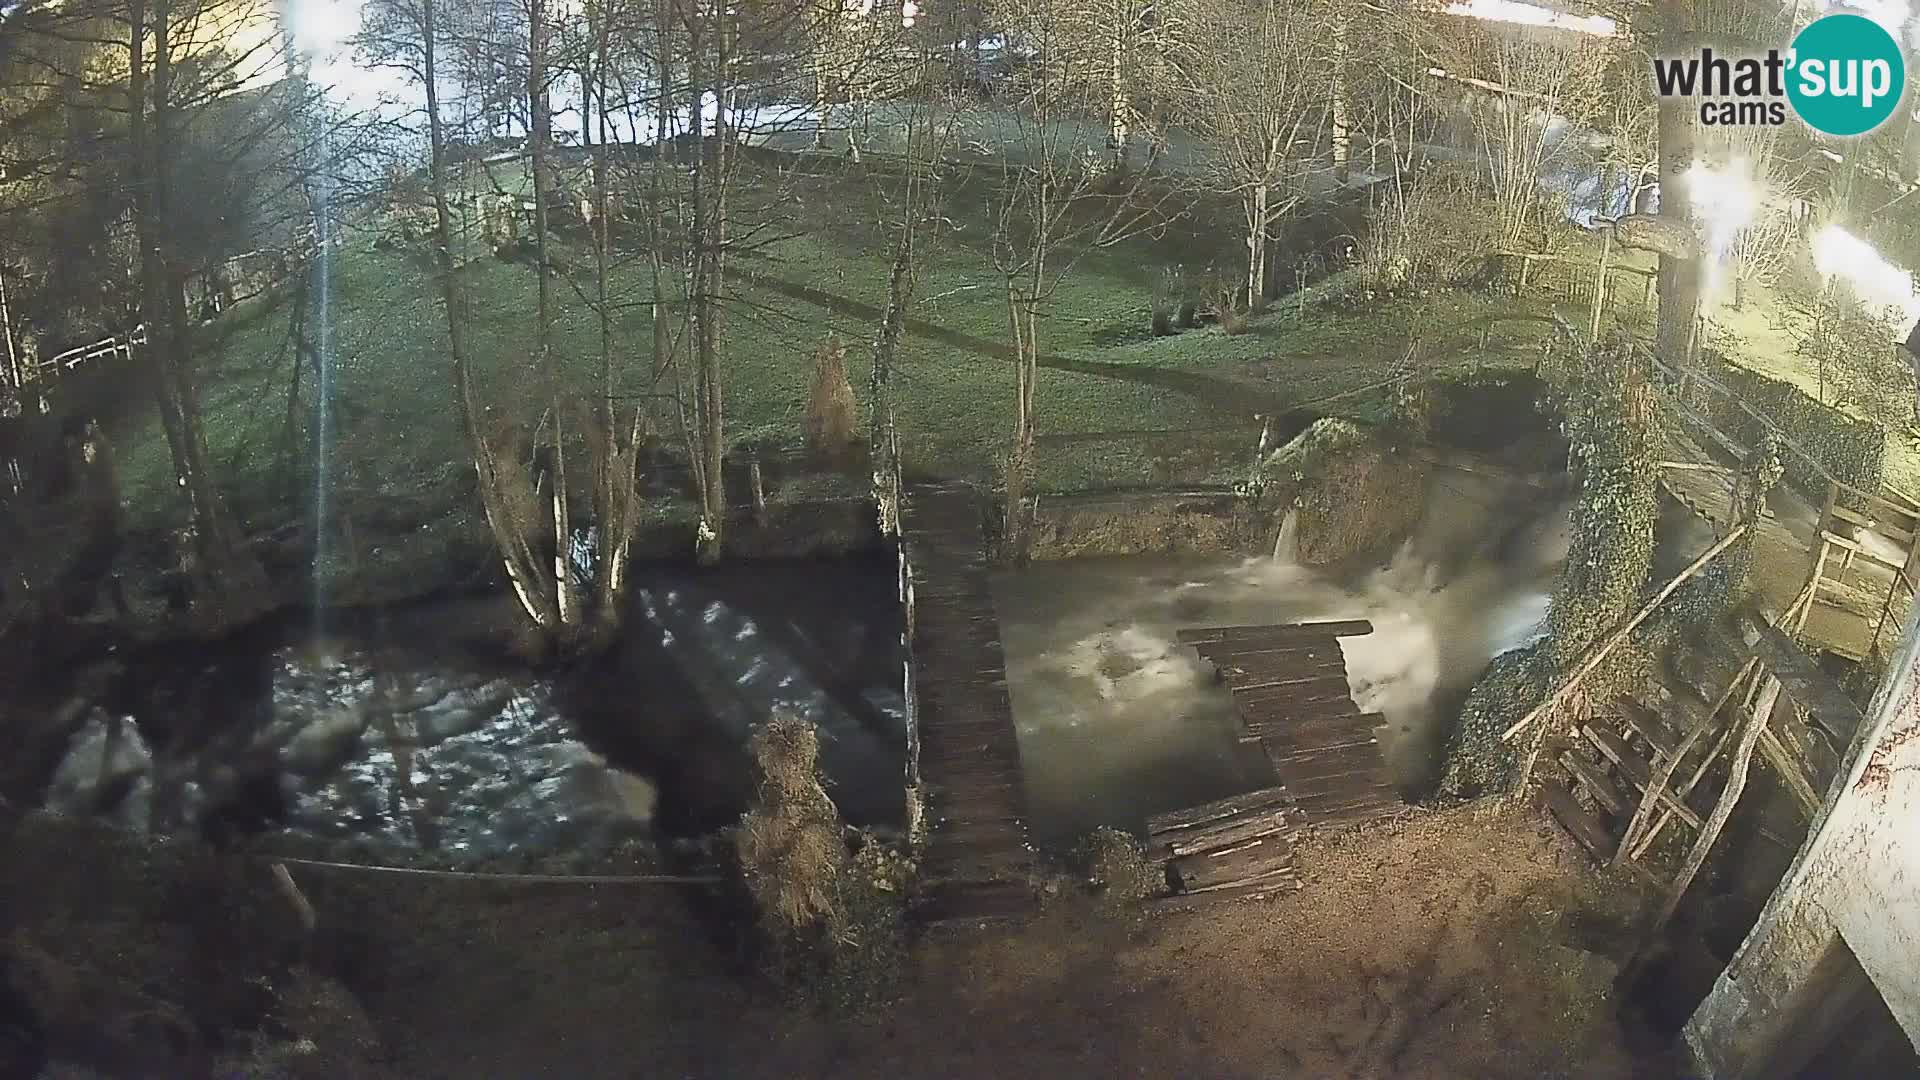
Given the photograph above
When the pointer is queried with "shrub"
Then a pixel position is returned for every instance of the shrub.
(866, 939)
(831, 412)
(1166, 298)
(1233, 321)
(833, 923)
(1846, 446)
(1425, 234)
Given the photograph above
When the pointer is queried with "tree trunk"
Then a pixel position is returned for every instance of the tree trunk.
(518, 558)
(1679, 278)
(1257, 203)
(1119, 102)
(539, 144)
(1340, 108)
(217, 541)
(886, 344)
(708, 439)
(656, 201)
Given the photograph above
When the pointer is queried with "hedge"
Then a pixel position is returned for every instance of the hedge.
(1848, 447)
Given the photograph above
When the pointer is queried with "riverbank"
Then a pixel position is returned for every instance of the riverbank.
(1409, 952)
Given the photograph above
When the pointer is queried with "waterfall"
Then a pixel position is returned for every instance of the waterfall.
(1286, 544)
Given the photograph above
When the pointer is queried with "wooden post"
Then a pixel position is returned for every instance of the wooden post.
(1819, 568)
(1663, 775)
(1723, 806)
(1600, 284)
(759, 487)
(1782, 758)
(1606, 647)
(1526, 262)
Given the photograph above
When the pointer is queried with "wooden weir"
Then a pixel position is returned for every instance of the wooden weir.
(1290, 690)
(963, 749)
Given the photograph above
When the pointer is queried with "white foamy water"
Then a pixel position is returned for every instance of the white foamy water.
(1119, 721)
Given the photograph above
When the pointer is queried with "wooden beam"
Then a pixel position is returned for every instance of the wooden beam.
(1303, 632)
(1663, 776)
(1786, 763)
(1613, 641)
(1691, 466)
(1802, 681)
(1753, 724)
(1191, 816)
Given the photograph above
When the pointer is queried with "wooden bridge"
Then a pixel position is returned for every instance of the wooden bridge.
(963, 749)
(1290, 690)
(1860, 549)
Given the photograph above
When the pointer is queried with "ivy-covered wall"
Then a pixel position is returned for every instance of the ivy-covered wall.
(1608, 411)
(1846, 446)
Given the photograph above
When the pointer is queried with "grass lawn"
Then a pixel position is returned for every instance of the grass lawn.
(398, 455)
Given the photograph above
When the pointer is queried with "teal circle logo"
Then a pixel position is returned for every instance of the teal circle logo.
(1847, 75)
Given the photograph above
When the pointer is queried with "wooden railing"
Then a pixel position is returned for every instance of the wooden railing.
(236, 280)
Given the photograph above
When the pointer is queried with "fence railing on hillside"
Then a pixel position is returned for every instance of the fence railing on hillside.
(1576, 276)
(241, 278)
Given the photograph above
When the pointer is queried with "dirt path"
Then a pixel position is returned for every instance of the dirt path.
(1453, 944)
(1440, 947)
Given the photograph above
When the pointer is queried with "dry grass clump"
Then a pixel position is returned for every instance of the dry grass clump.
(1233, 321)
(1118, 868)
(833, 922)
(831, 412)
(789, 844)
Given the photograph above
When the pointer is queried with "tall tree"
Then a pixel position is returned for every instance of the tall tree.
(1677, 328)
(1255, 78)
(1056, 203)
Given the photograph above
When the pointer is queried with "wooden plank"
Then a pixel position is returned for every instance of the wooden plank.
(1291, 729)
(1233, 865)
(1648, 724)
(1299, 631)
(1309, 766)
(1241, 678)
(1786, 764)
(1801, 680)
(1722, 806)
(1891, 530)
(1257, 654)
(1312, 691)
(1609, 742)
(1578, 821)
(1352, 815)
(1262, 713)
(1336, 806)
(1224, 833)
(1318, 786)
(1595, 781)
(1638, 772)
(1192, 816)
(1281, 879)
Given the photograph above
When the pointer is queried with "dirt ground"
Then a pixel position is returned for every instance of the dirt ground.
(1450, 944)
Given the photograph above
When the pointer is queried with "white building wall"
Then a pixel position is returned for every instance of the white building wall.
(1858, 877)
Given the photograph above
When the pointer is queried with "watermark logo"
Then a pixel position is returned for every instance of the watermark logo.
(1843, 75)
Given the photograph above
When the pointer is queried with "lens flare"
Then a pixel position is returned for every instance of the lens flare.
(1839, 253)
(1725, 200)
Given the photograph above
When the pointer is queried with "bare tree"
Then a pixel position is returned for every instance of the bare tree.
(1255, 75)
(1537, 88)
(1056, 204)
